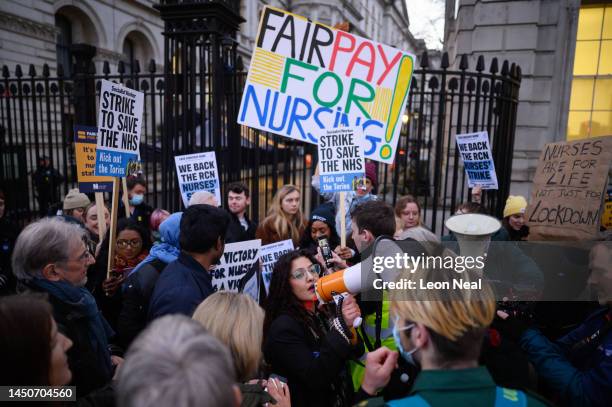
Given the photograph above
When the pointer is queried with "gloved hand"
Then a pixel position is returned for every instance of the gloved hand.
(512, 325)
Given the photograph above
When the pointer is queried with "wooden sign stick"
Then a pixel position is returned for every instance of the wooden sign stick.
(113, 227)
(100, 212)
(126, 200)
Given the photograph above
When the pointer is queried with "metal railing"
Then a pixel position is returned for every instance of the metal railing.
(192, 106)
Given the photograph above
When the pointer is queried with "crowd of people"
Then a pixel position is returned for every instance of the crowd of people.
(152, 330)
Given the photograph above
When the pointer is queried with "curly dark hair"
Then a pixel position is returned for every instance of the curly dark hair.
(281, 299)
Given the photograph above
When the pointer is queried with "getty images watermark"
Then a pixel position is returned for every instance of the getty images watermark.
(407, 264)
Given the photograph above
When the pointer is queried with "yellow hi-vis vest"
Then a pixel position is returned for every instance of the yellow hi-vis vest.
(386, 339)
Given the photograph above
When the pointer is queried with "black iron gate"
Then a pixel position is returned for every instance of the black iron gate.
(192, 106)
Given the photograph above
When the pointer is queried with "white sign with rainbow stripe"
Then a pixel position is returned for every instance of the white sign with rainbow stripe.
(306, 78)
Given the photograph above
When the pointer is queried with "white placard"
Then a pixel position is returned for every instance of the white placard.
(237, 260)
(197, 172)
(341, 162)
(119, 129)
(477, 159)
(306, 77)
(269, 254)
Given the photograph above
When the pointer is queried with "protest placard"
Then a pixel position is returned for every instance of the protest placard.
(306, 77)
(85, 138)
(477, 159)
(568, 190)
(341, 161)
(269, 254)
(119, 128)
(197, 172)
(237, 260)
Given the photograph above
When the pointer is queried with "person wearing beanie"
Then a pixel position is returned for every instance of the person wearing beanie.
(321, 223)
(363, 192)
(514, 218)
(75, 204)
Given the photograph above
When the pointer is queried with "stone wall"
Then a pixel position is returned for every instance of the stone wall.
(540, 37)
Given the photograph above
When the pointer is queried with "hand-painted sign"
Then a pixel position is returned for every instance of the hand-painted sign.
(569, 189)
(238, 258)
(306, 78)
(85, 152)
(119, 128)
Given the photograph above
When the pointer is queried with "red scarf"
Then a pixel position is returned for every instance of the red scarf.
(122, 265)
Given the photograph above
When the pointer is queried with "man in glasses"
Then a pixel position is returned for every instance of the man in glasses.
(51, 256)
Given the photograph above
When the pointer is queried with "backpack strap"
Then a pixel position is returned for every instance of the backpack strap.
(412, 401)
(509, 398)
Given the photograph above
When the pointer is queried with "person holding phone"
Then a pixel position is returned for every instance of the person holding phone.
(301, 343)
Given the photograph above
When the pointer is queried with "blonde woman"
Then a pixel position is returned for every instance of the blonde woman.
(284, 220)
(408, 210)
(441, 331)
(237, 321)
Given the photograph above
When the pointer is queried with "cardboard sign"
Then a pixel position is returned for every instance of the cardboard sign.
(341, 161)
(568, 190)
(85, 153)
(269, 254)
(306, 77)
(197, 172)
(477, 159)
(237, 260)
(119, 128)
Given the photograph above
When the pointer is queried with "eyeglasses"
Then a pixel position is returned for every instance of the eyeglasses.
(314, 269)
(124, 244)
(85, 256)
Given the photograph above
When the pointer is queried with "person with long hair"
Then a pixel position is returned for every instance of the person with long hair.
(284, 220)
(300, 343)
(514, 218)
(243, 337)
(32, 349)
(409, 211)
(92, 223)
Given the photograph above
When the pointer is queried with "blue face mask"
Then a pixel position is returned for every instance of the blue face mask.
(136, 200)
(407, 355)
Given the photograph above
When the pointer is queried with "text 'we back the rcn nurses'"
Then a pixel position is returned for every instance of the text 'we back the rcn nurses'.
(306, 77)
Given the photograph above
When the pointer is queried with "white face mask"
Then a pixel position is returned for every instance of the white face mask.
(407, 355)
(137, 200)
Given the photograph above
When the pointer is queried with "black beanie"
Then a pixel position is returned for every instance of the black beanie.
(324, 213)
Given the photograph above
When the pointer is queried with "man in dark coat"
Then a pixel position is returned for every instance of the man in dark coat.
(47, 181)
(51, 257)
(240, 227)
(187, 281)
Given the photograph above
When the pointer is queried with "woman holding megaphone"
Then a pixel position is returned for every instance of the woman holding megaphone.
(304, 344)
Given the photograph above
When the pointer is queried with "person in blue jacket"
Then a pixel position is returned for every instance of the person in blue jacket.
(578, 366)
(187, 281)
